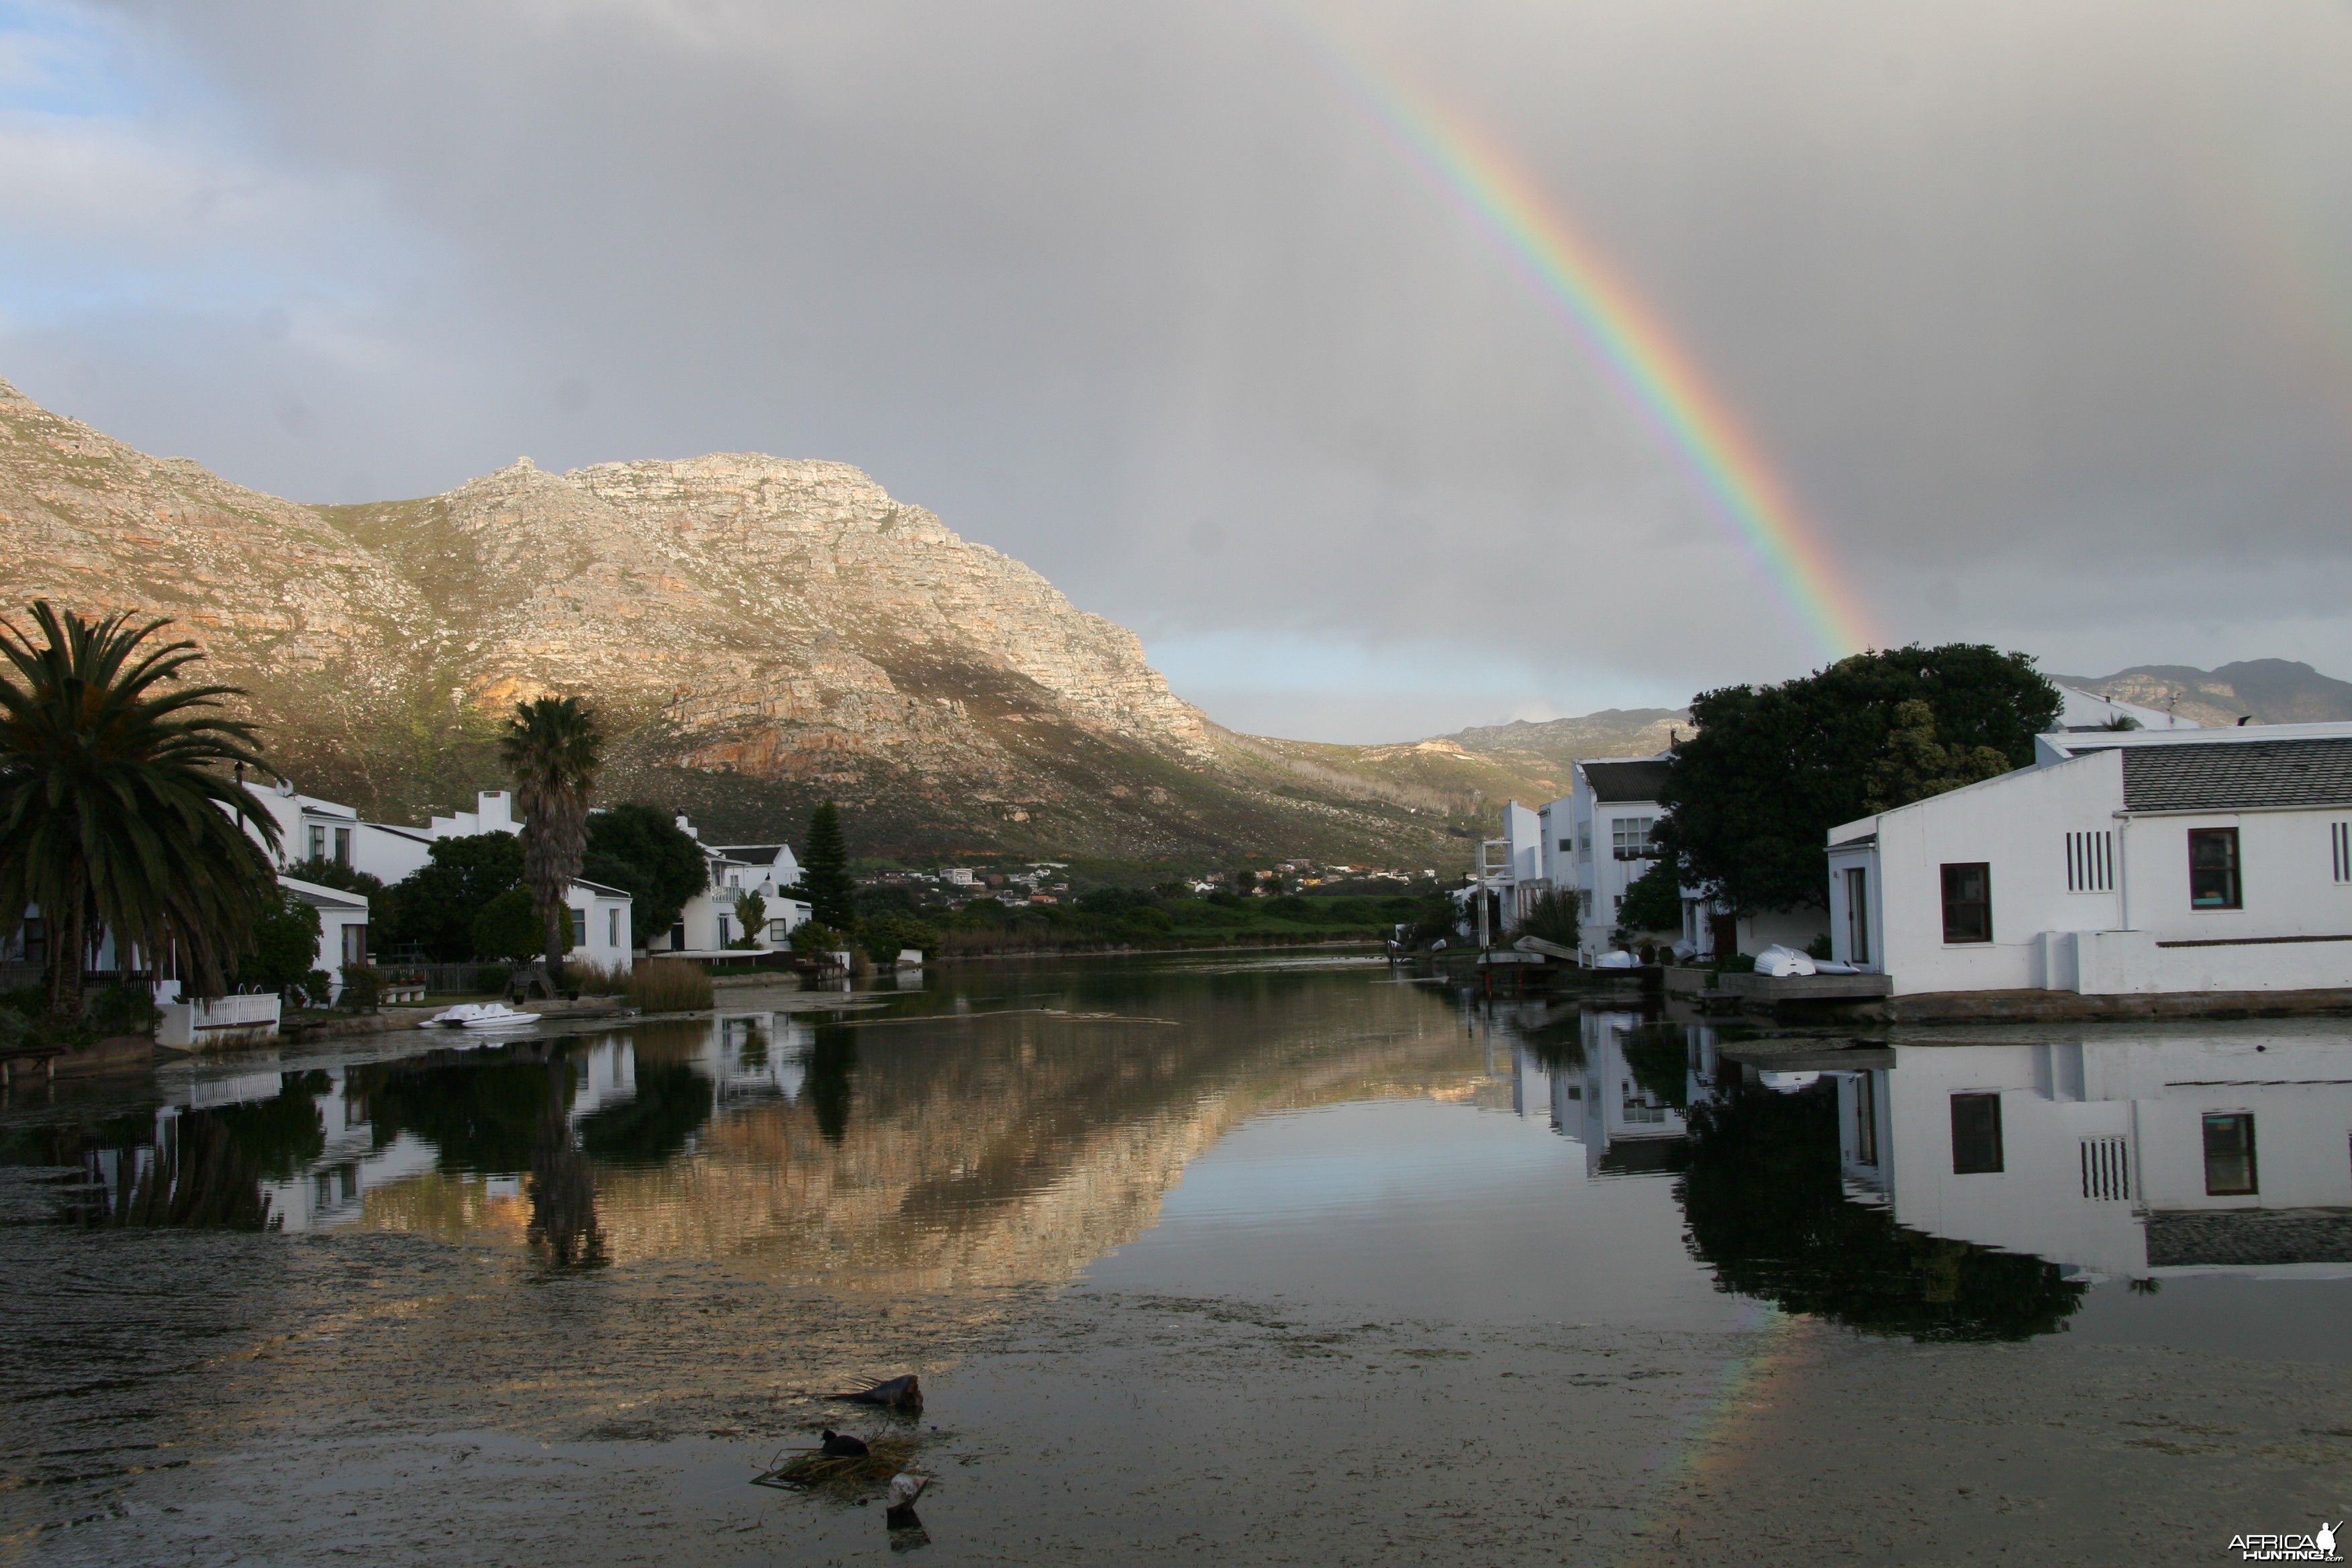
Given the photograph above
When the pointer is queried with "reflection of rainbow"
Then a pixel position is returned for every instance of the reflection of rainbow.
(1579, 280)
(1717, 1435)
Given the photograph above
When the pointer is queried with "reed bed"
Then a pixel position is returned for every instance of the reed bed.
(667, 985)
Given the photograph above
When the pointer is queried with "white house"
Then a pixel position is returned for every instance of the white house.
(309, 828)
(2122, 1158)
(1600, 840)
(708, 925)
(2129, 861)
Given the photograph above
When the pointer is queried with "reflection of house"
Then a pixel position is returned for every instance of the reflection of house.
(1626, 1128)
(2155, 860)
(2110, 1156)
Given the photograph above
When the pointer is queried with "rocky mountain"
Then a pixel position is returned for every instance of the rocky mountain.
(758, 632)
(2270, 690)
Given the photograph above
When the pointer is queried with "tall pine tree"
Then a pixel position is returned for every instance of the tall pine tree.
(825, 872)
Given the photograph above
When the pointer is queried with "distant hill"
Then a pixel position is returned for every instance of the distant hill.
(759, 633)
(2270, 690)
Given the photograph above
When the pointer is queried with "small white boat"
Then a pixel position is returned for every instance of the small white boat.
(478, 1016)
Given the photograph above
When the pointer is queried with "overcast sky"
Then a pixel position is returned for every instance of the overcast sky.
(2041, 311)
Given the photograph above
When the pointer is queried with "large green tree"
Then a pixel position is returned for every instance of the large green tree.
(826, 881)
(643, 851)
(434, 907)
(1753, 795)
(555, 750)
(121, 801)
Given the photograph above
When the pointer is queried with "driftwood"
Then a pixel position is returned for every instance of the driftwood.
(897, 1393)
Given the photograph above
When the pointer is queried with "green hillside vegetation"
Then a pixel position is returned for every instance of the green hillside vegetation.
(1139, 918)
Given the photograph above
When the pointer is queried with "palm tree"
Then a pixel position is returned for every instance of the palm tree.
(118, 807)
(555, 750)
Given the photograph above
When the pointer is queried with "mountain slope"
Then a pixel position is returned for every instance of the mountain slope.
(2270, 690)
(760, 633)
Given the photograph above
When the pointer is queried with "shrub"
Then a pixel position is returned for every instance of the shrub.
(884, 937)
(318, 989)
(509, 927)
(1821, 947)
(1555, 917)
(362, 987)
(285, 944)
(121, 1010)
(669, 985)
(812, 937)
(491, 977)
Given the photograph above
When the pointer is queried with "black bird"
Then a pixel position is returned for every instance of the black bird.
(842, 1446)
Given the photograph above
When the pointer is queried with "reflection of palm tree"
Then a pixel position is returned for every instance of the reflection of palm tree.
(562, 1181)
(832, 1059)
(112, 783)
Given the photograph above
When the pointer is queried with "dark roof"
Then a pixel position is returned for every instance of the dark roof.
(752, 854)
(2238, 775)
(1627, 781)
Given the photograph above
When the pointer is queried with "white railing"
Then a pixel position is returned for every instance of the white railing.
(220, 1021)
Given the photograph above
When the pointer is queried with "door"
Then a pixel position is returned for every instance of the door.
(1857, 915)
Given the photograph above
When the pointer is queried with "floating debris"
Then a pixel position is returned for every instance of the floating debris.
(847, 1477)
(897, 1394)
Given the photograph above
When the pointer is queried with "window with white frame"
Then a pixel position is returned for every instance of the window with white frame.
(1629, 836)
(611, 928)
(2091, 862)
(2339, 844)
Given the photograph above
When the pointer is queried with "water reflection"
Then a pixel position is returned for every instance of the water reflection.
(1964, 1190)
(1018, 1126)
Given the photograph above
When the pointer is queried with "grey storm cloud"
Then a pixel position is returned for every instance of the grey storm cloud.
(2043, 310)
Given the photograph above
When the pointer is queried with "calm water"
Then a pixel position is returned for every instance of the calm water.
(1269, 1261)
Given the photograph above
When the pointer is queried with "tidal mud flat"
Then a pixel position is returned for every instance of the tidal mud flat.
(1309, 1267)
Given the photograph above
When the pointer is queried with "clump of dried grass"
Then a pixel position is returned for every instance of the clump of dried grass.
(843, 1480)
(667, 985)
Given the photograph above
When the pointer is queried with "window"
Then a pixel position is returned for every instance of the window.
(318, 843)
(779, 930)
(678, 937)
(1857, 915)
(580, 928)
(1865, 1119)
(2213, 869)
(2339, 847)
(355, 944)
(725, 936)
(1629, 836)
(1976, 1134)
(1968, 902)
(2091, 862)
(342, 845)
(1568, 844)
(611, 928)
(2230, 1155)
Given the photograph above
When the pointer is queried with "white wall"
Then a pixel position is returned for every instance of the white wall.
(2016, 824)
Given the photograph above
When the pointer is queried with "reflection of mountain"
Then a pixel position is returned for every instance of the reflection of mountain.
(1005, 1151)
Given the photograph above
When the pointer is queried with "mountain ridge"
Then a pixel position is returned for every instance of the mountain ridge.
(759, 633)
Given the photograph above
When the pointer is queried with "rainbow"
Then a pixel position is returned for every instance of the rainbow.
(1664, 377)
